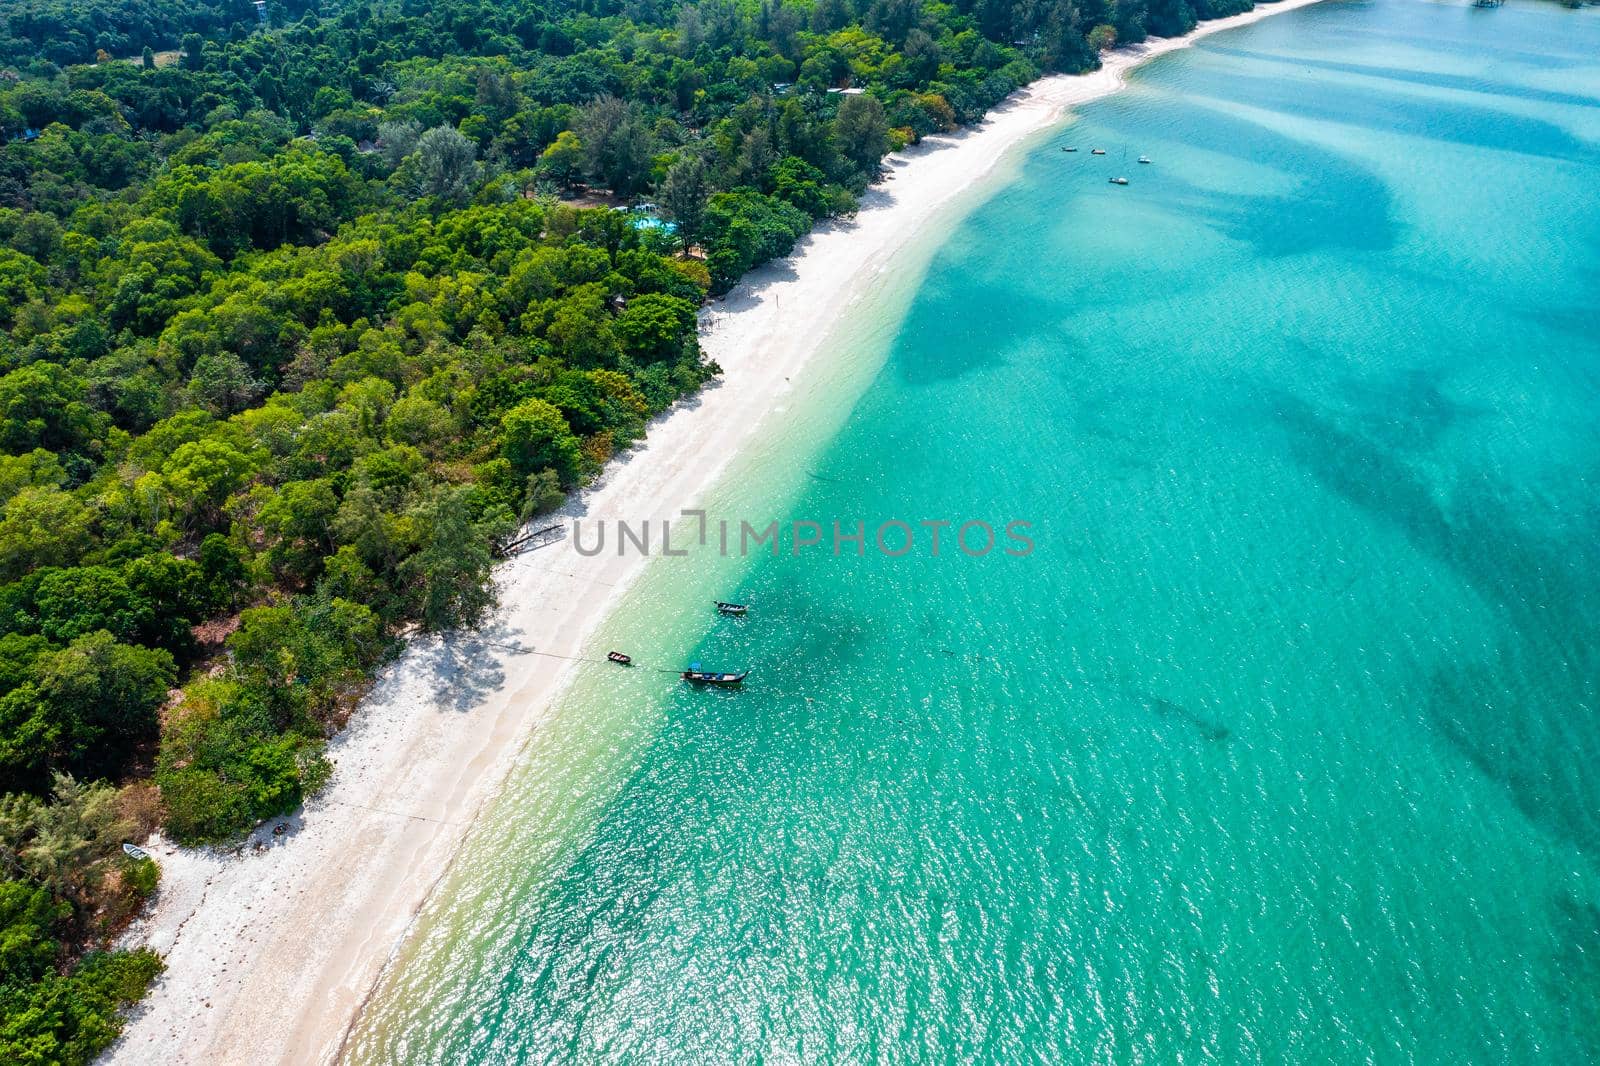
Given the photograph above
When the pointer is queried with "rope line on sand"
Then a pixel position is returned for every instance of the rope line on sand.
(530, 651)
(570, 658)
(396, 814)
(568, 573)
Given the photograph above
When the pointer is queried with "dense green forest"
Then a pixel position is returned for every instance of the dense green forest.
(300, 320)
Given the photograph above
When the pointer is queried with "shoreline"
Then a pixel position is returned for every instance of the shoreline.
(272, 948)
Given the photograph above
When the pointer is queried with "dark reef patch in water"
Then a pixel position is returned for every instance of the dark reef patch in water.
(1574, 973)
(1337, 203)
(1409, 413)
(1178, 712)
(1544, 591)
(1465, 124)
(1467, 714)
(1427, 78)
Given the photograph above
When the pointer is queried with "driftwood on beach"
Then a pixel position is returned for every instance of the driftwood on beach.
(533, 539)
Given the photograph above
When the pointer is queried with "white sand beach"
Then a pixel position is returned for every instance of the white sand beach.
(271, 950)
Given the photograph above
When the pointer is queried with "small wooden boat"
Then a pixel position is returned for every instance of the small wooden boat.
(713, 677)
(1072, 149)
(1119, 181)
(1144, 159)
(134, 851)
(619, 658)
(731, 608)
(1097, 151)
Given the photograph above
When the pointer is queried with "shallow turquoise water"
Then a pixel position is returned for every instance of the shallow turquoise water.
(1281, 746)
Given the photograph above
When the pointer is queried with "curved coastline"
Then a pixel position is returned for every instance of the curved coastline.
(272, 948)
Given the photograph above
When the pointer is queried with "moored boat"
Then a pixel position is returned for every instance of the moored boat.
(1119, 181)
(1097, 151)
(1144, 159)
(713, 677)
(731, 608)
(1072, 149)
(619, 658)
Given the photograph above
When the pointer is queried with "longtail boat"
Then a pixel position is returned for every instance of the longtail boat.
(712, 677)
(731, 608)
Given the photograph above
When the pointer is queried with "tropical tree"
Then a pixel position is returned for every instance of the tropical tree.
(450, 574)
(536, 437)
(862, 131)
(447, 164)
(562, 162)
(683, 198)
(617, 144)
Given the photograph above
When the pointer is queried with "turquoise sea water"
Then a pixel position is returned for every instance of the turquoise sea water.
(1283, 743)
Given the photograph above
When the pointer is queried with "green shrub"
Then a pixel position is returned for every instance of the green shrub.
(220, 776)
(71, 1019)
(142, 876)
